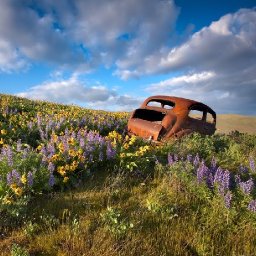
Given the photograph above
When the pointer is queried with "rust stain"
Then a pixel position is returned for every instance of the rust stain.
(163, 117)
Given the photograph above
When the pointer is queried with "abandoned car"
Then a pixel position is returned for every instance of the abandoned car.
(163, 117)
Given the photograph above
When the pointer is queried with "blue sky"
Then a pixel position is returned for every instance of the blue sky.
(112, 54)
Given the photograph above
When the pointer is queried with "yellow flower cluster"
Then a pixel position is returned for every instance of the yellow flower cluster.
(115, 137)
(129, 141)
(62, 170)
(16, 189)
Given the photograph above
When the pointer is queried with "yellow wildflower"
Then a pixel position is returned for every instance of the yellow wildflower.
(65, 180)
(18, 191)
(23, 179)
(1, 141)
(3, 132)
(61, 170)
(7, 200)
(122, 155)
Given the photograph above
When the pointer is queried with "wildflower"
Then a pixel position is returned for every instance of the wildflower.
(222, 179)
(227, 199)
(189, 158)
(23, 179)
(252, 206)
(9, 155)
(30, 179)
(51, 181)
(18, 191)
(13, 177)
(65, 180)
(110, 151)
(196, 160)
(7, 200)
(61, 170)
(170, 159)
(3, 132)
(246, 186)
(51, 167)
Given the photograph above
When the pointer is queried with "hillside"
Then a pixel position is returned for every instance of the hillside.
(72, 182)
(231, 122)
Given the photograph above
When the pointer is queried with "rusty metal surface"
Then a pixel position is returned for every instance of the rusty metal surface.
(171, 118)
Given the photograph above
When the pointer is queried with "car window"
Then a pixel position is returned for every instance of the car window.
(196, 114)
(161, 104)
(154, 104)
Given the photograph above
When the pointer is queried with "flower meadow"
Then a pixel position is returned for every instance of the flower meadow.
(117, 193)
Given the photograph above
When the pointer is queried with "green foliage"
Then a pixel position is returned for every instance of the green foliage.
(17, 250)
(115, 222)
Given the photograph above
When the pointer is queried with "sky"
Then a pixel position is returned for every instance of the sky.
(112, 54)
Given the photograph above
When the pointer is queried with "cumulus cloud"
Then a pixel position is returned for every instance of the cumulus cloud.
(85, 34)
(218, 65)
(74, 91)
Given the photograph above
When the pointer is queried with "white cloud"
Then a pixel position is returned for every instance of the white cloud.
(10, 59)
(74, 91)
(181, 81)
(227, 50)
(85, 34)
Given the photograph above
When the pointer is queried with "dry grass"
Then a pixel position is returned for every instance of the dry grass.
(232, 122)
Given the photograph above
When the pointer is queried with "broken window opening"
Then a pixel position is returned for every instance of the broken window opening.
(149, 115)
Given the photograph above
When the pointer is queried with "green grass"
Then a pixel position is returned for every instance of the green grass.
(134, 205)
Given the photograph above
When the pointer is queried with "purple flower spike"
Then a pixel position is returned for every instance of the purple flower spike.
(222, 179)
(252, 206)
(227, 199)
(13, 177)
(247, 186)
(170, 159)
(30, 179)
(196, 160)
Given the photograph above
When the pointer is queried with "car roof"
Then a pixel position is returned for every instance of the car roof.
(179, 102)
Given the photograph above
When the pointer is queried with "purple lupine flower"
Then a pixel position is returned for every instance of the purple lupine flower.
(237, 179)
(81, 142)
(176, 158)
(222, 179)
(252, 164)
(30, 179)
(9, 154)
(227, 199)
(101, 156)
(196, 160)
(13, 177)
(252, 206)
(51, 167)
(189, 158)
(243, 169)
(110, 151)
(170, 159)
(204, 174)
(51, 181)
(246, 186)
(213, 165)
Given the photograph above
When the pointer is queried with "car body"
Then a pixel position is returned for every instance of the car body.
(163, 117)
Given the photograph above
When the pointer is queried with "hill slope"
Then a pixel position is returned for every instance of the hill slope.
(231, 122)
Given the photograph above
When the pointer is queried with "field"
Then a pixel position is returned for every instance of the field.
(72, 182)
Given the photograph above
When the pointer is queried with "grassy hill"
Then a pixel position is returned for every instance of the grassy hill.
(231, 122)
(72, 182)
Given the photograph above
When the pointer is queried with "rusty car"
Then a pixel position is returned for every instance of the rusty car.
(161, 117)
